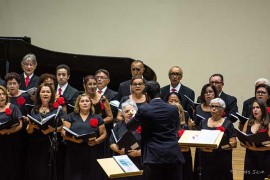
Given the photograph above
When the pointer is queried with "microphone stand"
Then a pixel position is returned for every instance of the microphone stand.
(54, 149)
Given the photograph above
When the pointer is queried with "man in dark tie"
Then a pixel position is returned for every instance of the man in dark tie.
(161, 154)
(28, 78)
(63, 88)
(175, 76)
(103, 79)
(137, 68)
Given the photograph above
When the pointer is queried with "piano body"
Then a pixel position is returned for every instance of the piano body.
(13, 49)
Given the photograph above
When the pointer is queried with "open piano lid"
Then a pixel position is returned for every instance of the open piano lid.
(13, 49)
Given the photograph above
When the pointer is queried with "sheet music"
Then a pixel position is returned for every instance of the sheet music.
(205, 136)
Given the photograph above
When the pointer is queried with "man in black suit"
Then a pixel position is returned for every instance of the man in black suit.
(175, 76)
(28, 78)
(137, 68)
(63, 88)
(103, 79)
(231, 102)
(161, 154)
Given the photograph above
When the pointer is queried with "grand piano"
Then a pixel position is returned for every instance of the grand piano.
(12, 50)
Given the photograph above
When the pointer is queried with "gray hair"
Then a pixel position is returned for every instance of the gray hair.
(262, 81)
(129, 102)
(219, 101)
(30, 57)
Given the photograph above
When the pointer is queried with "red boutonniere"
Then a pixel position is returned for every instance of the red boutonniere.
(61, 101)
(93, 122)
(139, 129)
(223, 114)
(221, 128)
(8, 111)
(55, 105)
(102, 105)
(21, 101)
(262, 130)
(268, 109)
(180, 132)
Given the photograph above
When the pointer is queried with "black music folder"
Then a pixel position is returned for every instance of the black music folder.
(9, 124)
(239, 117)
(127, 141)
(49, 120)
(192, 103)
(85, 137)
(259, 139)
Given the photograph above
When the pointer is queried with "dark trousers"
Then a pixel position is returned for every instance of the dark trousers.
(163, 171)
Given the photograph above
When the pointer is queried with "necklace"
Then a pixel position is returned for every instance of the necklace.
(44, 110)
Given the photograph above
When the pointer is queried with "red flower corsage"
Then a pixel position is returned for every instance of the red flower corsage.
(21, 101)
(180, 132)
(139, 129)
(93, 122)
(262, 130)
(8, 111)
(61, 100)
(221, 128)
(55, 105)
(102, 105)
(223, 114)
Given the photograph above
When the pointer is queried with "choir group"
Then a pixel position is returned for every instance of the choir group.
(39, 114)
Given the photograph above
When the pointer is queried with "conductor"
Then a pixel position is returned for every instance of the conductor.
(161, 155)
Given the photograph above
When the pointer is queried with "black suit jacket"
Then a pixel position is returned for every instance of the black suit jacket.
(124, 89)
(33, 82)
(70, 94)
(184, 90)
(159, 140)
(231, 105)
(247, 106)
(111, 96)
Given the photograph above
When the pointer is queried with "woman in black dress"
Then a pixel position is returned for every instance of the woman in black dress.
(208, 93)
(136, 88)
(257, 159)
(103, 109)
(43, 162)
(81, 156)
(174, 99)
(129, 108)
(10, 140)
(217, 163)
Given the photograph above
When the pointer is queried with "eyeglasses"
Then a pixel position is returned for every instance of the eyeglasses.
(28, 64)
(208, 92)
(175, 74)
(137, 84)
(101, 77)
(216, 82)
(216, 107)
(136, 69)
(91, 85)
(261, 92)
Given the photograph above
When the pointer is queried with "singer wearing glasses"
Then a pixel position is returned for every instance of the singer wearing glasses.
(137, 86)
(40, 140)
(217, 163)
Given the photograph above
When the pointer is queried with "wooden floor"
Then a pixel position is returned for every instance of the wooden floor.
(238, 162)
